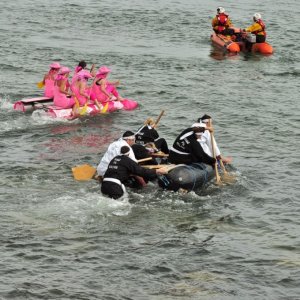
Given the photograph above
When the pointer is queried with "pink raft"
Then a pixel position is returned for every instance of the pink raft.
(46, 104)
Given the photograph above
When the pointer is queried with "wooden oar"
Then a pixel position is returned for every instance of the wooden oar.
(159, 155)
(156, 166)
(87, 172)
(226, 177)
(158, 118)
(218, 178)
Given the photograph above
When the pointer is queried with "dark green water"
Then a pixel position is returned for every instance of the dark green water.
(60, 239)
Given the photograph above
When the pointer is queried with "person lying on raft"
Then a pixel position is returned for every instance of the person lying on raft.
(187, 150)
(128, 139)
(148, 134)
(205, 140)
(120, 168)
(221, 22)
(62, 91)
(49, 79)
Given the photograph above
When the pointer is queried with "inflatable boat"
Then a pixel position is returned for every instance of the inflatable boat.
(237, 42)
(188, 177)
(46, 104)
(225, 42)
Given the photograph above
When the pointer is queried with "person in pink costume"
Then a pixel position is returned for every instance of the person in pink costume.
(105, 92)
(80, 88)
(49, 79)
(62, 89)
(82, 66)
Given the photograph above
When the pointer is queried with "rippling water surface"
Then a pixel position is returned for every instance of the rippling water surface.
(60, 239)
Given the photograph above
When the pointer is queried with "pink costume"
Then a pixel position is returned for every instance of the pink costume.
(82, 75)
(98, 94)
(49, 88)
(76, 71)
(61, 99)
(49, 82)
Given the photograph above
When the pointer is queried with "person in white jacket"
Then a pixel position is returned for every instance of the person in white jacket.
(205, 140)
(128, 139)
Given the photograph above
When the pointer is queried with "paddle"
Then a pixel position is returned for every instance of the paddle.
(40, 84)
(159, 154)
(157, 166)
(92, 70)
(158, 118)
(218, 178)
(87, 172)
(77, 110)
(226, 177)
(104, 109)
(83, 172)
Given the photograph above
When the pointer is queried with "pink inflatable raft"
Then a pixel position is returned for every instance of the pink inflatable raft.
(46, 104)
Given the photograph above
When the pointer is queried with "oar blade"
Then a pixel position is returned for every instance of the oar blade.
(40, 84)
(104, 109)
(228, 178)
(83, 110)
(83, 172)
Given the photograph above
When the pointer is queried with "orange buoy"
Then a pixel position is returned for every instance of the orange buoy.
(263, 48)
(233, 47)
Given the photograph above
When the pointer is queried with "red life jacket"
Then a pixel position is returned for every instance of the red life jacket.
(263, 27)
(222, 20)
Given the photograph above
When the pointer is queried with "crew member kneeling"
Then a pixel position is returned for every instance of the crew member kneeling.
(120, 169)
(186, 148)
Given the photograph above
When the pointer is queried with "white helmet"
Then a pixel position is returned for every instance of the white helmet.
(221, 10)
(256, 17)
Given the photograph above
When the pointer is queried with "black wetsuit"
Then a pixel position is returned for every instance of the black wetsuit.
(186, 150)
(119, 170)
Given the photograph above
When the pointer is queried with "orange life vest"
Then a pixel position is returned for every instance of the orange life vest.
(263, 27)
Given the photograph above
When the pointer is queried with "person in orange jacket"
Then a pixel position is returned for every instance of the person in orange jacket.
(258, 28)
(221, 22)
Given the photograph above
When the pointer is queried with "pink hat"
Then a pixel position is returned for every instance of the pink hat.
(55, 65)
(84, 74)
(103, 70)
(64, 70)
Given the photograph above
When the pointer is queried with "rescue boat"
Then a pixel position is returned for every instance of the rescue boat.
(242, 37)
(237, 42)
(225, 42)
(46, 104)
(188, 177)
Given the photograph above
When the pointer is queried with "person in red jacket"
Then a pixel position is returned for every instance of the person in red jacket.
(221, 22)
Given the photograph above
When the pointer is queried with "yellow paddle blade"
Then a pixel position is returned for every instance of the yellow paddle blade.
(104, 109)
(83, 110)
(83, 172)
(40, 84)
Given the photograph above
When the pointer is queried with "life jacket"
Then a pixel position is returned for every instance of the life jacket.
(263, 27)
(222, 21)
